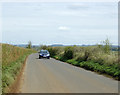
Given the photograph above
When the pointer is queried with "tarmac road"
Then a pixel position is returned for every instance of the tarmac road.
(53, 76)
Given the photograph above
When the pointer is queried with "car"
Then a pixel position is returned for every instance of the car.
(44, 54)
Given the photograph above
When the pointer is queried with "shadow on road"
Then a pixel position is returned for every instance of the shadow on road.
(37, 58)
(42, 58)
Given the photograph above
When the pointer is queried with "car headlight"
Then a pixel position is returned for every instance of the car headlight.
(48, 54)
(40, 54)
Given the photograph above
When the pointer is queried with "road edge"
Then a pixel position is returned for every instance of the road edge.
(15, 87)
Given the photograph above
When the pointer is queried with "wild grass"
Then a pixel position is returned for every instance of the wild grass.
(12, 61)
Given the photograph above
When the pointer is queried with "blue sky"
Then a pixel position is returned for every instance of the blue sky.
(59, 23)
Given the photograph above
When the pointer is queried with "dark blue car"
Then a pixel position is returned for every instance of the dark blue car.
(44, 54)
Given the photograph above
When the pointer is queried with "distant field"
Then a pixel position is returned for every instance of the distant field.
(12, 61)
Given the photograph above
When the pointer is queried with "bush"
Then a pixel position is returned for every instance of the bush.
(43, 47)
(80, 57)
(54, 51)
(68, 53)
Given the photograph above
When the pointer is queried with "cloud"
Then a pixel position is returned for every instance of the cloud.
(63, 28)
(79, 6)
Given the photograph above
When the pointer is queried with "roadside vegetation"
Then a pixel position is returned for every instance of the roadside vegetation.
(12, 62)
(29, 46)
(100, 58)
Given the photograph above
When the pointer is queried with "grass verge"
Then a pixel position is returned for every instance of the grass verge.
(12, 62)
(111, 70)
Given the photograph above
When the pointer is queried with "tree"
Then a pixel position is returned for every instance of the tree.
(99, 45)
(107, 46)
(43, 47)
(29, 46)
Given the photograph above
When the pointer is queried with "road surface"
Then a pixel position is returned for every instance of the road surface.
(53, 76)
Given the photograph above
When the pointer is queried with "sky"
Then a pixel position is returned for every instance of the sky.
(68, 23)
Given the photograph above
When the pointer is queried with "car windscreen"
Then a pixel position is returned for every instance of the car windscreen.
(44, 51)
